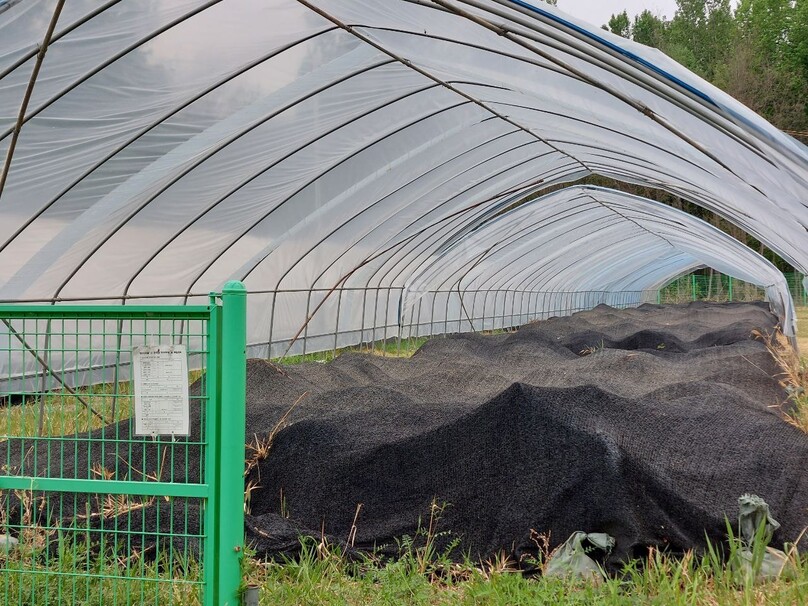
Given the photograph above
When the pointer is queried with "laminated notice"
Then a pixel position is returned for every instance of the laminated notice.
(161, 390)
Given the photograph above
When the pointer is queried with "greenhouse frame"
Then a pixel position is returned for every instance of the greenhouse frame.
(370, 170)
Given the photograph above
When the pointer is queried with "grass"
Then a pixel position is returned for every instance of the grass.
(802, 330)
(659, 579)
(68, 576)
(393, 348)
(66, 412)
(322, 576)
(425, 575)
(797, 374)
(422, 575)
(70, 411)
(794, 375)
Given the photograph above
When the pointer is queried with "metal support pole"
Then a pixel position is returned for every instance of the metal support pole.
(446, 314)
(432, 314)
(485, 310)
(418, 322)
(271, 324)
(513, 307)
(40, 57)
(473, 309)
(375, 316)
(306, 328)
(336, 325)
(386, 319)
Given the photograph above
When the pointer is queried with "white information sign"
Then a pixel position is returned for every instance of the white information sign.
(161, 390)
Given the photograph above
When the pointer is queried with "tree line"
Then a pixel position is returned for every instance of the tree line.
(757, 52)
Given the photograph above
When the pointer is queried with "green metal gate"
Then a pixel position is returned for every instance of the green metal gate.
(91, 513)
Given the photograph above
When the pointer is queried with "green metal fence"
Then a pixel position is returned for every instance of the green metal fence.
(91, 512)
(719, 287)
(795, 285)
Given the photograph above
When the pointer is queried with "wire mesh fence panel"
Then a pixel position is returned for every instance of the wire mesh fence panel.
(796, 285)
(394, 320)
(109, 471)
(715, 287)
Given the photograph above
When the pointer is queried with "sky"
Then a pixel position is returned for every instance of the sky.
(598, 12)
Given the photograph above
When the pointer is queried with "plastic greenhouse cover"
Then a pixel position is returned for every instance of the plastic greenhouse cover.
(350, 158)
(546, 244)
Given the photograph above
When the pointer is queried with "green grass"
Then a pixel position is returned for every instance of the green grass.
(65, 412)
(68, 576)
(69, 412)
(422, 575)
(802, 330)
(322, 577)
(392, 348)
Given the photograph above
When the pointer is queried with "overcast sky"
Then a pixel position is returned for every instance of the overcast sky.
(599, 11)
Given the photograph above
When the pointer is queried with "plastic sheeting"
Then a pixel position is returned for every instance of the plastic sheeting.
(544, 246)
(327, 152)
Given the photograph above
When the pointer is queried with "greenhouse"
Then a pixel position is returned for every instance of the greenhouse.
(203, 201)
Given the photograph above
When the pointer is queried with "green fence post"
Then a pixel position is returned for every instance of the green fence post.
(232, 431)
(693, 285)
(730, 289)
(210, 569)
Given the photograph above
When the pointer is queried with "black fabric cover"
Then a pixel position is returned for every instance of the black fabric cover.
(650, 439)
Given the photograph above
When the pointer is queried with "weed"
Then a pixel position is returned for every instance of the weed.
(593, 349)
(793, 376)
(260, 447)
(352, 533)
(70, 411)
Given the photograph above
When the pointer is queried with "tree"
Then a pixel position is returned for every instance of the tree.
(768, 22)
(798, 38)
(649, 29)
(770, 73)
(758, 54)
(701, 34)
(619, 24)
